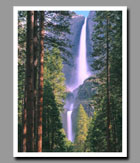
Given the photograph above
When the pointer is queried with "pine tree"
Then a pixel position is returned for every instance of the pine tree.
(97, 135)
(116, 83)
(53, 139)
(53, 67)
(54, 94)
(107, 54)
(81, 130)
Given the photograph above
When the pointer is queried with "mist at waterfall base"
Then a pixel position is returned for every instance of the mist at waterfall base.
(82, 74)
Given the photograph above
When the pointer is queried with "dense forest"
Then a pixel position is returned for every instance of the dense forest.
(43, 50)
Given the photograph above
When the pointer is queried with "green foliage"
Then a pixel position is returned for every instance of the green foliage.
(53, 74)
(81, 130)
(21, 61)
(97, 134)
(21, 71)
(69, 146)
(52, 136)
(57, 28)
(96, 139)
(54, 94)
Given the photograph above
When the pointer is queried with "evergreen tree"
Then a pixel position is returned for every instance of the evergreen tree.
(54, 94)
(53, 139)
(81, 130)
(116, 83)
(53, 67)
(107, 54)
(97, 135)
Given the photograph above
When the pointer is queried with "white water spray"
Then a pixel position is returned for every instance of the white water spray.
(82, 74)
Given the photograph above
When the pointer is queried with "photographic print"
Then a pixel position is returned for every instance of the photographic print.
(70, 81)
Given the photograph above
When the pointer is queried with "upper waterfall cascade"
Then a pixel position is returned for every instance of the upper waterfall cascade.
(82, 66)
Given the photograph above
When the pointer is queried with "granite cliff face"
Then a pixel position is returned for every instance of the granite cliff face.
(89, 37)
(84, 95)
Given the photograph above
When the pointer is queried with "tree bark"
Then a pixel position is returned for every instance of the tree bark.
(24, 116)
(36, 51)
(40, 82)
(24, 137)
(108, 90)
(29, 83)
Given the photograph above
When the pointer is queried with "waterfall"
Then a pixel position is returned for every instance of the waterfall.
(69, 123)
(82, 74)
(82, 66)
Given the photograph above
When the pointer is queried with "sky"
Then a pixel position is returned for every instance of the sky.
(84, 13)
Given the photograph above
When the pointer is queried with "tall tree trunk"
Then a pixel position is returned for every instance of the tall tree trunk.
(114, 134)
(36, 51)
(24, 116)
(24, 137)
(40, 82)
(29, 82)
(108, 89)
(23, 100)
